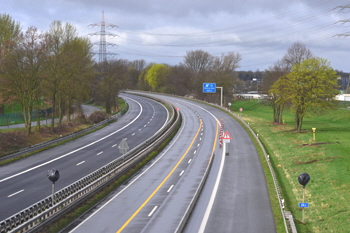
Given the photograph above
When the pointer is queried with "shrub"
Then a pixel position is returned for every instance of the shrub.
(98, 116)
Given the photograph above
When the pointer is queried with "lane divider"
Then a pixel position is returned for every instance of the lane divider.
(15, 193)
(162, 183)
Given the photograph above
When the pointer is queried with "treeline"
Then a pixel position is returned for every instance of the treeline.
(38, 67)
(57, 68)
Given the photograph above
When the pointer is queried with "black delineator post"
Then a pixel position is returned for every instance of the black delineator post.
(53, 176)
(303, 179)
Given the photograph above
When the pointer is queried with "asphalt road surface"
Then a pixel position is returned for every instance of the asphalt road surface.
(25, 182)
(234, 198)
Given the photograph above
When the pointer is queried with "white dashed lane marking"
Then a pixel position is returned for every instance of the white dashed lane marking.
(80, 163)
(15, 193)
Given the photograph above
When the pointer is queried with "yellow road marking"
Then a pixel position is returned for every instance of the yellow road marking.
(161, 184)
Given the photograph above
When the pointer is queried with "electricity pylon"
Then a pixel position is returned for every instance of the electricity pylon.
(102, 52)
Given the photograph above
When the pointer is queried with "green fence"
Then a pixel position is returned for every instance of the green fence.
(17, 117)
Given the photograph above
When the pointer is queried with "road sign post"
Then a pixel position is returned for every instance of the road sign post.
(303, 179)
(123, 146)
(209, 87)
(53, 176)
(303, 205)
(226, 139)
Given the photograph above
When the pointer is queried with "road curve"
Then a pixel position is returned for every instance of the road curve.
(234, 198)
(25, 182)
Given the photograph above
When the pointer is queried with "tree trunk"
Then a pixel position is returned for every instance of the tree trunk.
(298, 122)
(68, 112)
(38, 119)
(280, 110)
(53, 112)
(275, 112)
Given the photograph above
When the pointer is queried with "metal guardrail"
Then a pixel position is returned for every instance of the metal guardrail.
(39, 213)
(279, 196)
(194, 200)
(285, 214)
(60, 139)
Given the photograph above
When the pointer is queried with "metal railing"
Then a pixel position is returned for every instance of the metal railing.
(60, 139)
(38, 214)
(285, 214)
(288, 216)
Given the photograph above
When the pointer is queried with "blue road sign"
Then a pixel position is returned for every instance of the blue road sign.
(209, 87)
(302, 205)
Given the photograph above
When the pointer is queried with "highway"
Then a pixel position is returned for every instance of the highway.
(25, 182)
(234, 198)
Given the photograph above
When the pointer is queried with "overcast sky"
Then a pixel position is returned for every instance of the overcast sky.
(162, 31)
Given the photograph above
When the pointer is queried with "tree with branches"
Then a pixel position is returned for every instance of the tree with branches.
(23, 72)
(274, 77)
(10, 29)
(311, 83)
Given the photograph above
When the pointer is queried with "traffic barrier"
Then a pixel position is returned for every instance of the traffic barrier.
(31, 219)
(288, 216)
(57, 140)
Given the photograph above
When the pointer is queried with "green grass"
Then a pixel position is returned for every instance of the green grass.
(10, 108)
(326, 160)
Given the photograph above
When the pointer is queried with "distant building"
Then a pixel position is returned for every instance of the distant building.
(250, 96)
(343, 97)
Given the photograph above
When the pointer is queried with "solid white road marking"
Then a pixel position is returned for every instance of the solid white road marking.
(169, 147)
(83, 147)
(214, 192)
(80, 163)
(154, 209)
(15, 193)
(171, 187)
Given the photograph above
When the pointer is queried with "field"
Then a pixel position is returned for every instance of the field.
(325, 156)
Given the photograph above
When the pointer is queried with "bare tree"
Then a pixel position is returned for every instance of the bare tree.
(296, 54)
(198, 61)
(180, 80)
(223, 72)
(138, 65)
(110, 82)
(226, 63)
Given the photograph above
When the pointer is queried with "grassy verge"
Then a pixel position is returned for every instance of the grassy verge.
(325, 158)
(64, 221)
